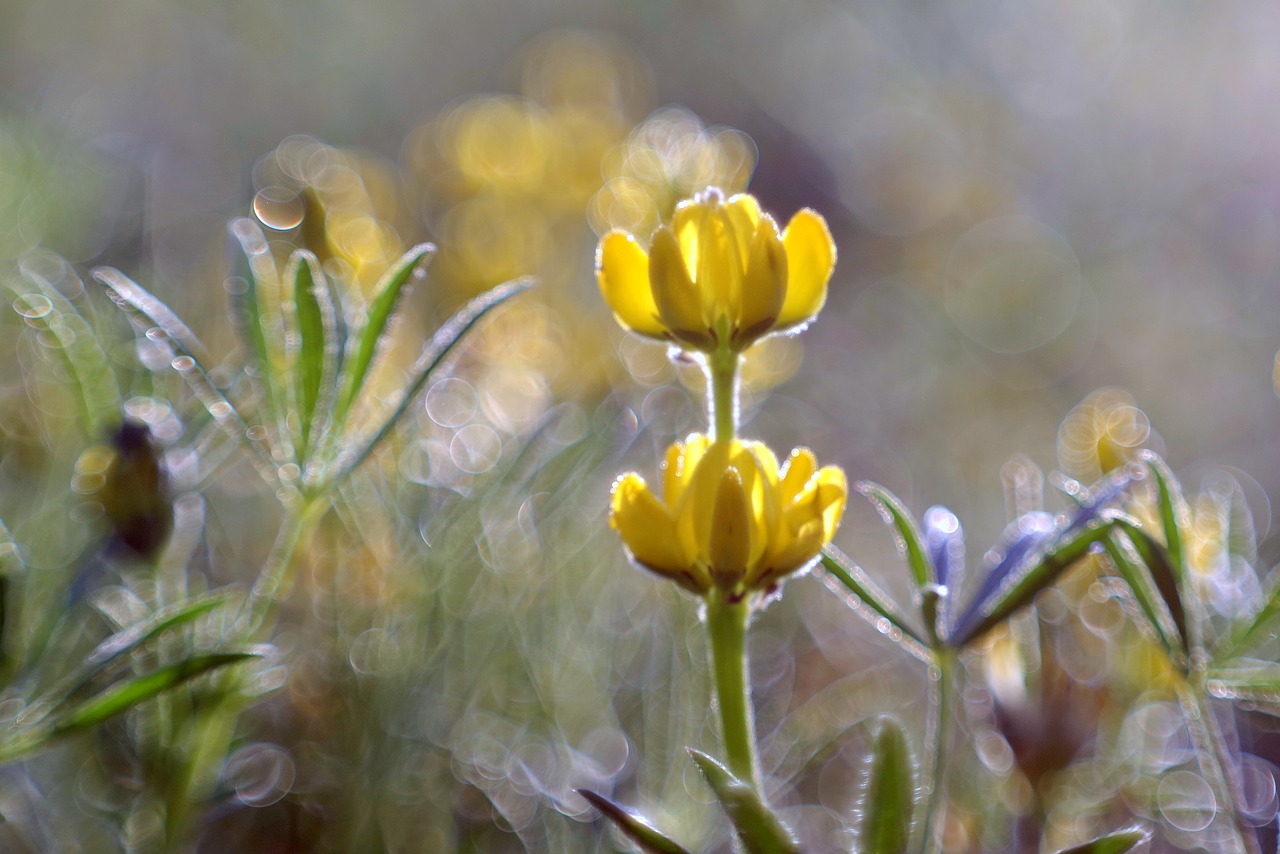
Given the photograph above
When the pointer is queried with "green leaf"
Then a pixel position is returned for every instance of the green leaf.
(760, 831)
(1113, 843)
(1254, 680)
(633, 826)
(261, 329)
(1175, 517)
(128, 639)
(1022, 587)
(1162, 573)
(190, 357)
(1150, 594)
(889, 793)
(906, 532)
(121, 697)
(433, 356)
(77, 346)
(873, 604)
(370, 336)
(321, 336)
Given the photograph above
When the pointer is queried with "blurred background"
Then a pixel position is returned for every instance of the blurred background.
(1059, 237)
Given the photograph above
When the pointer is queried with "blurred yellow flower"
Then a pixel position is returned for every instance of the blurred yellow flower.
(729, 517)
(720, 276)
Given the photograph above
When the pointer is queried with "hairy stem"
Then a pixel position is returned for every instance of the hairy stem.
(938, 740)
(727, 632)
(722, 394)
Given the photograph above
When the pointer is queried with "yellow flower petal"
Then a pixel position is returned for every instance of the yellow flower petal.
(811, 256)
(622, 269)
(647, 529)
(679, 302)
(729, 543)
(795, 474)
(763, 290)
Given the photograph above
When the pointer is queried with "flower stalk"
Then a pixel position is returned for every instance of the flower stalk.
(727, 633)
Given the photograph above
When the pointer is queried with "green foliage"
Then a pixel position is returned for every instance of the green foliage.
(888, 793)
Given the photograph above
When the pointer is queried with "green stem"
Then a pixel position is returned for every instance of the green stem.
(722, 393)
(938, 740)
(1215, 757)
(277, 573)
(727, 632)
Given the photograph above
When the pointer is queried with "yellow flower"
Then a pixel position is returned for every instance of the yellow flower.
(729, 517)
(720, 275)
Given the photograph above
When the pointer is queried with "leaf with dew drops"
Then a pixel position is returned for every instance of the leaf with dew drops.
(1022, 574)
(433, 356)
(371, 336)
(259, 325)
(321, 338)
(760, 831)
(97, 391)
(871, 599)
(1159, 563)
(888, 792)
(633, 826)
(125, 695)
(1150, 582)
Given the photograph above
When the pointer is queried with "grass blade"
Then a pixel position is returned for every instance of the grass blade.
(371, 334)
(760, 831)
(123, 696)
(433, 355)
(873, 603)
(889, 793)
(1175, 517)
(1113, 843)
(636, 828)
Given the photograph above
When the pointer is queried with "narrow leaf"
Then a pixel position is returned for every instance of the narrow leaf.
(1160, 564)
(1023, 581)
(872, 603)
(1147, 592)
(380, 311)
(433, 356)
(1251, 679)
(123, 696)
(189, 355)
(1113, 843)
(321, 338)
(1175, 517)
(259, 327)
(760, 831)
(633, 826)
(888, 794)
(910, 543)
(77, 346)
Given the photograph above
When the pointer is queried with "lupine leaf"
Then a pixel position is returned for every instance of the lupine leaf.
(634, 827)
(1174, 515)
(889, 793)
(1023, 580)
(369, 338)
(944, 539)
(907, 533)
(1147, 591)
(1163, 574)
(433, 355)
(321, 338)
(258, 325)
(190, 352)
(760, 831)
(1251, 679)
(88, 368)
(871, 599)
(1113, 843)
(121, 697)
